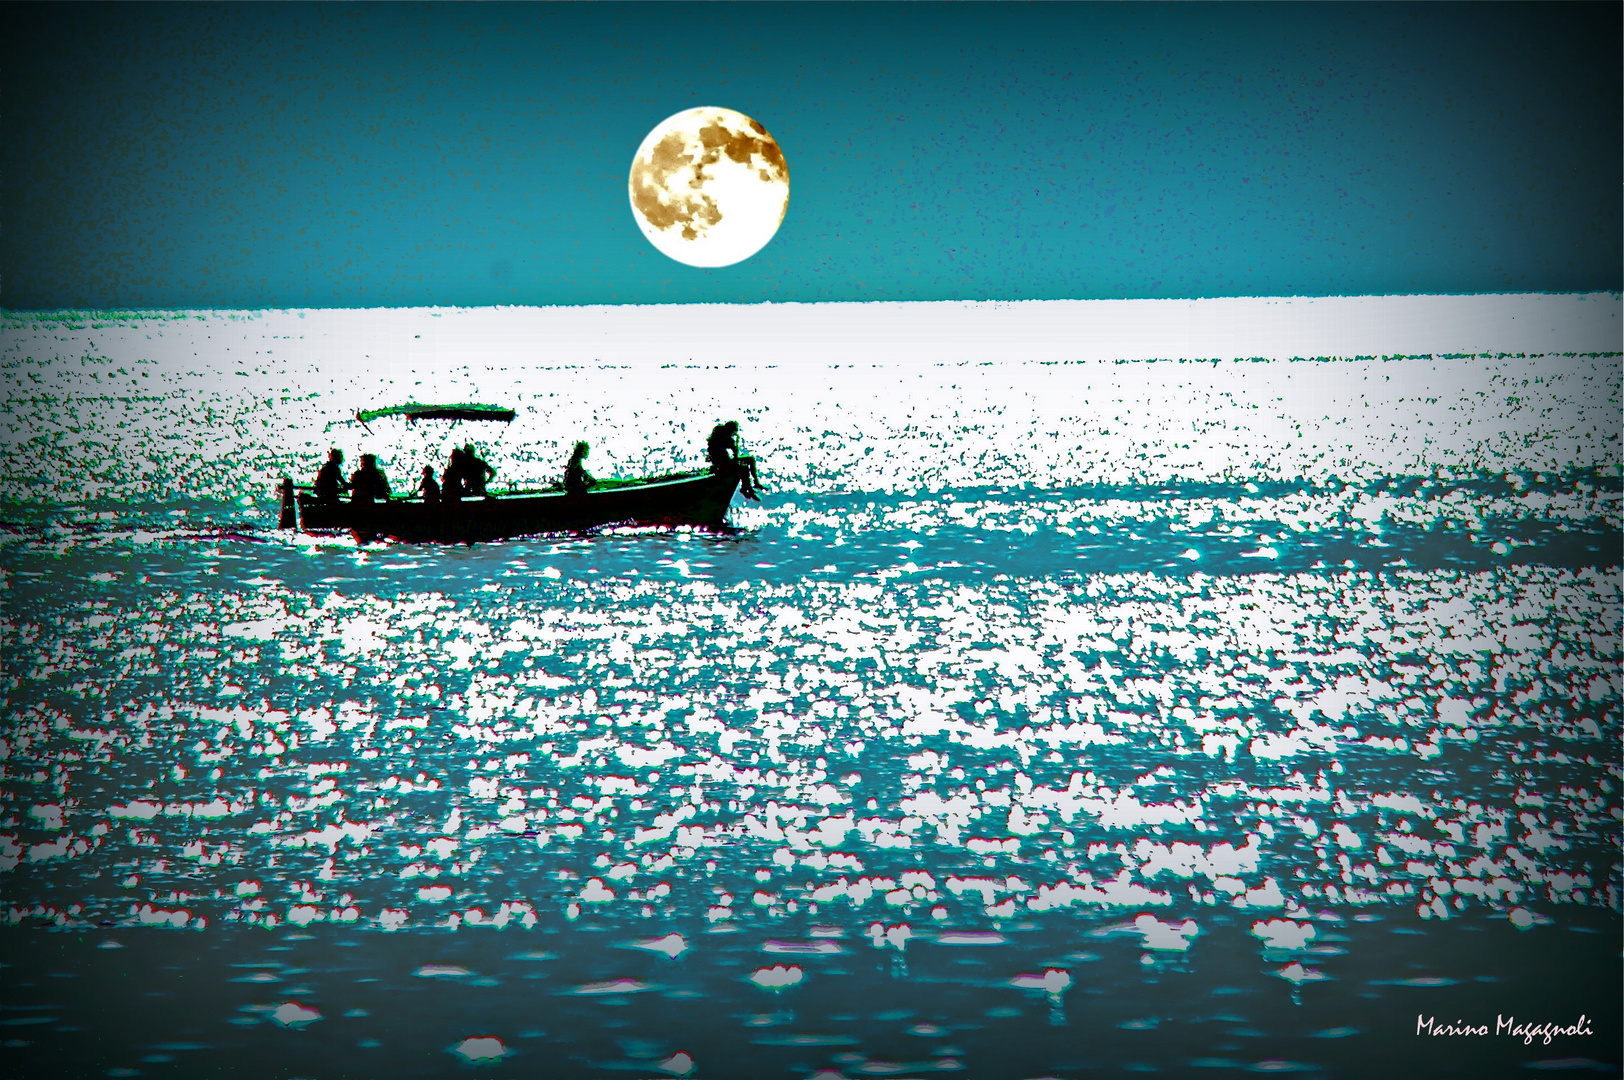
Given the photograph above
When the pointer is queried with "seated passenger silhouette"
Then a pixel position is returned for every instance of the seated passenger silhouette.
(367, 483)
(330, 480)
(452, 489)
(576, 478)
(476, 473)
(429, 488)
(723, 450)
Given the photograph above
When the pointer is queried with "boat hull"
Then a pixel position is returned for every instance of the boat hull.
(700, 499)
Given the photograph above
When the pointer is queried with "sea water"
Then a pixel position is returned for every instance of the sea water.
(1078, 699)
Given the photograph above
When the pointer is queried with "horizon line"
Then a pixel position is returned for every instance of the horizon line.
(1616, 296)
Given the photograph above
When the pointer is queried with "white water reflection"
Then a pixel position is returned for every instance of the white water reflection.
(930, 732)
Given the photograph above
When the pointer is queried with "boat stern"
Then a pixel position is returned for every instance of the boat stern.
(288, 518)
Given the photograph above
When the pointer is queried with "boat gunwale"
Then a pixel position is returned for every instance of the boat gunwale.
(514, 496)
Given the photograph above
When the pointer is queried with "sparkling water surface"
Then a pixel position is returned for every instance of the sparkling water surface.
(1045, 719)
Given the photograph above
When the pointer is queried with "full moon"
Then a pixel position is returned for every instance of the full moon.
(709, 187)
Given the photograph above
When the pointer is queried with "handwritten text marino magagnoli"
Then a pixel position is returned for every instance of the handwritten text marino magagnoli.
(1504, 1025)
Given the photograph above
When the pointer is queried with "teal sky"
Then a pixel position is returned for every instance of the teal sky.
(251, 156)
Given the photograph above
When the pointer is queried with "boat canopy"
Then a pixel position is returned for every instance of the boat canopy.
(415, 412)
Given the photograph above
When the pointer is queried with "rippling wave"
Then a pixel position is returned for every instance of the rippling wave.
(1007, 722)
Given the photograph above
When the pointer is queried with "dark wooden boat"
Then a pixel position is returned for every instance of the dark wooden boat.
(699, 498)
(691, 498)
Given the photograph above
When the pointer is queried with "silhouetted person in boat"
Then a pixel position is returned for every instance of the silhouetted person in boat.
(330, 479)
(576, 478)
(367, 483)
(476, 473)
(429, 487)
(451, 479)
(723, 450)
